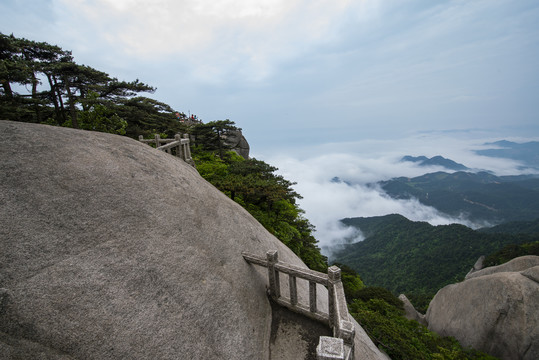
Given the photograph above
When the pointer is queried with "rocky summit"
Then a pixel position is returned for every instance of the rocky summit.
(495, 310)
(110, 249)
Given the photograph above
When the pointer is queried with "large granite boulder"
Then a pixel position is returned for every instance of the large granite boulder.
(495, 310)
(515, 265)
(110, 249)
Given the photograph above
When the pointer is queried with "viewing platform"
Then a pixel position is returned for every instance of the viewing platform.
(339, 346)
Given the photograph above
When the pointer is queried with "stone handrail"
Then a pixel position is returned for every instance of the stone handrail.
(181, 145)
(341, 346)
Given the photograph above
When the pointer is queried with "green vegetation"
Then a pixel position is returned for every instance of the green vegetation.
(510, 252)
(518, 228)
(514, 227)
(481, 196)
(62, 92)
(351, 281)
(381, 316)
(254, 184)
(416, 258)
(209, 137)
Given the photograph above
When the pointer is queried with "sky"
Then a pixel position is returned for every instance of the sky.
(322, 88)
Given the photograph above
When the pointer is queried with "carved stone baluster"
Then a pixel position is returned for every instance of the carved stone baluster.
(187, 149)
(334, 276)
(293, 290)
(273, 275)
(178, 138)
(312, 296)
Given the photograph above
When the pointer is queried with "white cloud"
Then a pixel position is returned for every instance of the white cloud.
(219, 38)
(364, 163)
(238, 9)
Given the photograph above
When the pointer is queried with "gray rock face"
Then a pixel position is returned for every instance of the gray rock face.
(496, 310)
(517, 264)
(110, 249)
(410, 312)
(477, 266)
(237, 142)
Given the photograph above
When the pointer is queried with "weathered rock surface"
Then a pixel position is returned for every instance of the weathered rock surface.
(410, 312)
(365, 349)
(496, 310)
(517, 264)
(110, 249)
(236, 141)
(476, 267)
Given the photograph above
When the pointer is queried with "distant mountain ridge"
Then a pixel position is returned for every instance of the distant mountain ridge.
(514, 227)
(435, 161)
(479, 196)
(527, 153)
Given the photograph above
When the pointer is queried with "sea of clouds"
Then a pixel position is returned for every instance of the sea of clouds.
(359, 166)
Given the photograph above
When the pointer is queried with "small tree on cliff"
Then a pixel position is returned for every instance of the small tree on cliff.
(211, 136)
(65, 91)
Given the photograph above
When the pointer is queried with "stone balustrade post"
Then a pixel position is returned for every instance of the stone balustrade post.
(157, 140)
(347, 332)
(187, 148)
(334, 277)
(179, 149)
(330, 348)
(273, 274)
(140, 138)
(312, 296)
(293, 290)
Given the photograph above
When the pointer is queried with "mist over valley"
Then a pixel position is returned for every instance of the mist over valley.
(437, 179)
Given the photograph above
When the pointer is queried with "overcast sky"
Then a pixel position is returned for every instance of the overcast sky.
(321, 88)
(294, 72)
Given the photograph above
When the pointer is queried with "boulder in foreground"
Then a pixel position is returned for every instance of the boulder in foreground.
(110, 249)
(496, 310)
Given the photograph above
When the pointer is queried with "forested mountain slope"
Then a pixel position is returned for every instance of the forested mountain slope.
(415, 257)
(478, 196)
(514, 227)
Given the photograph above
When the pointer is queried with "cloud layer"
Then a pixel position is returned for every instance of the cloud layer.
(326, 201)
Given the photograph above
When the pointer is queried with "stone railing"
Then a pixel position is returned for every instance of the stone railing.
(341, 345)
(178, 145)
